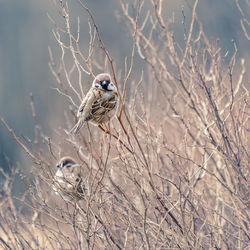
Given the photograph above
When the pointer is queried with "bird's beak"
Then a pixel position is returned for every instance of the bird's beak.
(104, 83)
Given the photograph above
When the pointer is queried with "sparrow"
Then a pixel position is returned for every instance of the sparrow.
(68, 180)
(100, 103)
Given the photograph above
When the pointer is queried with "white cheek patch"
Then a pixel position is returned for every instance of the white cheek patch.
(97, 86)
(111, 87)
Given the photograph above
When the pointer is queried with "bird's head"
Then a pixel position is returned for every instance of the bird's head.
(66, 162)
(103, 81)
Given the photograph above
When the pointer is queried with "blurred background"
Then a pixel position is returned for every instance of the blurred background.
(26, 33)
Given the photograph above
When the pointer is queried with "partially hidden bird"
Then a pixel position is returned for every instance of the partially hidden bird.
(100, 103)
(69, 181)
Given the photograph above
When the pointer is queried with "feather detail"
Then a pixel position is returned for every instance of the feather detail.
(77, 127)
(100, 103)
(68, 180)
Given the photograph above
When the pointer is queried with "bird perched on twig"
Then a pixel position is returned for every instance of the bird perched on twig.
(69, 182)
(100, 103)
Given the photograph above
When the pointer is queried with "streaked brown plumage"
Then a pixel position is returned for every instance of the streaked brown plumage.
(100, 103)
(69, 182)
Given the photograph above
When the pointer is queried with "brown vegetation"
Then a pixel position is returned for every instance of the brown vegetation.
(173, 170)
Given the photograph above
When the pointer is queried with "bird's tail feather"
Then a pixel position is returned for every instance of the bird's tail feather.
(76, 127)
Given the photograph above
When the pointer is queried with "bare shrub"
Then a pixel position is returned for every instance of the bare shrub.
(172, 172)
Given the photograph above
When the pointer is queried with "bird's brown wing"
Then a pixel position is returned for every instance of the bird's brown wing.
(84, 111)
(102, 106)
(86, 103)
(95, 107)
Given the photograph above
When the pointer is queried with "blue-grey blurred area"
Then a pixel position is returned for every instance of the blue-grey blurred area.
(24, 39)
(26, 33)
